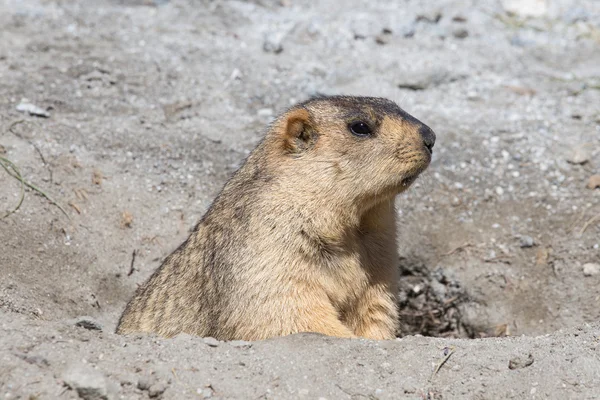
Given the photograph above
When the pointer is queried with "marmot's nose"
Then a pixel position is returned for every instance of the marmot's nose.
(428, 137)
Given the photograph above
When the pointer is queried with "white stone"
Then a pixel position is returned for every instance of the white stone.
(591, 269)
(89, 383)
(26, 107)
(526, 8)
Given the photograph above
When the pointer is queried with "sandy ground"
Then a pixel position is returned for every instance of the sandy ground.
(151, 104)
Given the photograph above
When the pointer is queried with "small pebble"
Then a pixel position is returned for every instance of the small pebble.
(525, 8)
(89, 383)
(211, 341)
(272, 43)
(240, 343)
(591, 269)
(144, 384)
(409, 389)
(432, 17)
(88, 323)
(156, 390)
(31, 109)
(526, 241)
(594, 182)
(520, 362)
(183, 337)
(579, 155)
(460, 33)
(426, 78)
(381, 39)
(265, 112)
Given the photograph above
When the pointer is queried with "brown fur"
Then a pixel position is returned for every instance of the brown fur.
(302, 238)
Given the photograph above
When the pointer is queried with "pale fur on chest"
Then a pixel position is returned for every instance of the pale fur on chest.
(344, 265)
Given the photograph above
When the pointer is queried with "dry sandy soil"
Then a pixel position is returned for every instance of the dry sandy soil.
(151, 104)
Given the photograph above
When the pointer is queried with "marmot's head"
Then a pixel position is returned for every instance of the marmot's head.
(362, 146)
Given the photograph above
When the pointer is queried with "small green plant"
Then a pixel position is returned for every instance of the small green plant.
(13, 171)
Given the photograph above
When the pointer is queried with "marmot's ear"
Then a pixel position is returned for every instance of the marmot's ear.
(299, 133)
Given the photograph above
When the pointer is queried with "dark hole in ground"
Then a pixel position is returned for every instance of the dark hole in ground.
(430, 302)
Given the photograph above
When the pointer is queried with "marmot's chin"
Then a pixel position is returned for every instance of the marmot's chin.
(406, 182)
(409, 178)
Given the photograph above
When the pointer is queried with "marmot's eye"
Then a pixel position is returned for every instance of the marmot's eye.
(360, 129)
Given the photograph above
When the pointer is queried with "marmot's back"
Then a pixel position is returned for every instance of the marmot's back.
(302, 238)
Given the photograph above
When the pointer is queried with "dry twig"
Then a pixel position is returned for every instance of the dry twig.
(450, 351)
(131, 266)
(588, 223)
(457, 249)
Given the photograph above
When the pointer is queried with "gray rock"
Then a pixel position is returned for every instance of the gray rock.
(526, 241)
(520, 362)
(144, 383)
(90, 384)
(273, 42)
(579, 155)
(439, 289)
(591, 269)
(460, 33)
(407, 30)
(424, 79)
(382, 39)
(432, 17)
(240, 344)
(211, 341)
(88, 323)
(409, 389)
(157, 389)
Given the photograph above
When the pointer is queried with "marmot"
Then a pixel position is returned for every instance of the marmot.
(302, 238)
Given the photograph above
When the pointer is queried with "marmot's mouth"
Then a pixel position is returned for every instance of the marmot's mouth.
(413, 175)
(409, 180)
